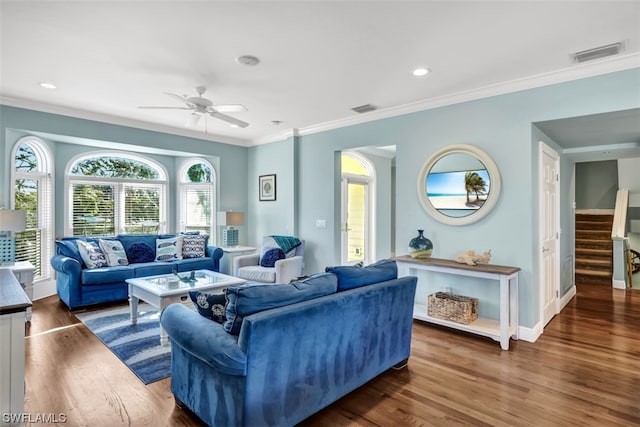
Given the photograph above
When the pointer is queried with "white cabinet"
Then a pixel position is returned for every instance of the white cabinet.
(24, 272)
(506, 277)
(13, 304)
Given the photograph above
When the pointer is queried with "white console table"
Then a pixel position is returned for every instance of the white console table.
(24, 272)
(502, 330)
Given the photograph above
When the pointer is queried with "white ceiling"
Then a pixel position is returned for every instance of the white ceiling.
(318, 58)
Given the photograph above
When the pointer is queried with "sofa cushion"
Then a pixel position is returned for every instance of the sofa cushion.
(353, 277)
(193, 246)
(152, 268)
(169, 249)
(140, 252)
(188, 264)
(100, 276)
(69, 248)
(249, 298)
(91, 254)
(271, 256)
(114, 252)
(211, 306)
(256, 273)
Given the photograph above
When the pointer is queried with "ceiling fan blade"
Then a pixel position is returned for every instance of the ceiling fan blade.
(228, 119)
(178, 97)
(168, 108)
(230, 108)
(193, 120)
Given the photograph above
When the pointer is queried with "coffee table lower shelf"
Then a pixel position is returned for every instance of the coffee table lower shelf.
(481, 326)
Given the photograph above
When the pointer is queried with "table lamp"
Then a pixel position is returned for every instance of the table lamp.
(11, 220)
(229, 219)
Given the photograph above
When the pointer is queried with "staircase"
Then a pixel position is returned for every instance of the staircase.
(594, 249)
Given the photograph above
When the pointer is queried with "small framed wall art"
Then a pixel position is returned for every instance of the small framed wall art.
(267, 187)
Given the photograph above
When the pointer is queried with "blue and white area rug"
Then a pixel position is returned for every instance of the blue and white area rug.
(138, 346)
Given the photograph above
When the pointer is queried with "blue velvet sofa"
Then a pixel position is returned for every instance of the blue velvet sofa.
(78, 286)
(300, 346)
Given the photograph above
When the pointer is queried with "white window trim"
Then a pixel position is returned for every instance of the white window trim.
(182, 194)
(46, 190)
(162, 182)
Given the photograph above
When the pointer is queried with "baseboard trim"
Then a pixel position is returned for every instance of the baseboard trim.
(44, 289)
(619, 284)
(532, 334)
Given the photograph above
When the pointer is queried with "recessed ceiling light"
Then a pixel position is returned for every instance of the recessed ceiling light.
(419, 72)
(276, 122)
(247, 60)
(47, 85)
(234, 126)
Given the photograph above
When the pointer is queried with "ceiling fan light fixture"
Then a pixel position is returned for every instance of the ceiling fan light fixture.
(247, 60)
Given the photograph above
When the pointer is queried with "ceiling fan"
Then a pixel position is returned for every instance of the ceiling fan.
(202, 106)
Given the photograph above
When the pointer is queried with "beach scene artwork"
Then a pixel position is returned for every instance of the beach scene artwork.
(458, 190)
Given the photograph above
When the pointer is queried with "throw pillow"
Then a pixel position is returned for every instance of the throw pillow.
(211, 306)
(271, 256)
(114, 252)
(353, 277)
(140, 252)
(91, 254)
(193, 246)
(68, 248)
(250, 298)
(169, 249)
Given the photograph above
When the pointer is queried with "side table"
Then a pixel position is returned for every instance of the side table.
(24, 272)
(230, 252)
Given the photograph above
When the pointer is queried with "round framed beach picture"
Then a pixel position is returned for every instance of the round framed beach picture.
(459, 185)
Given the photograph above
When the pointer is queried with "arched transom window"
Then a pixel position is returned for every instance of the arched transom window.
(112, 193)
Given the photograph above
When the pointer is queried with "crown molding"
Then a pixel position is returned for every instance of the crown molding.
(575, 72)
(116, 120)
(289, 133)
(579, 71)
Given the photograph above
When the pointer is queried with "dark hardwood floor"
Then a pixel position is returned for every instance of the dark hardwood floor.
(584, 370)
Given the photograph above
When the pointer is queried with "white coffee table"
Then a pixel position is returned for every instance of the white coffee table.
(163, 290)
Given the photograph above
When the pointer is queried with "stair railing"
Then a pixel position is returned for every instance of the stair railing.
(620, 243)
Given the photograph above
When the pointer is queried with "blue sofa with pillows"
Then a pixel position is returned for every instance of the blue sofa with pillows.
(285, 351)
(92, 270)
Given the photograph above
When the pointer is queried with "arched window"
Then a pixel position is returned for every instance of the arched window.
(33, 192)
(197, 198)
(358, 231)
(111, 193)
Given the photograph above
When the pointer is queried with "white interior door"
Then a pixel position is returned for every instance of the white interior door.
(355, 221)
(549, 232)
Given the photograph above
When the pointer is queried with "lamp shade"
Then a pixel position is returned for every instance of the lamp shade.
(12, 220)
(230, 218)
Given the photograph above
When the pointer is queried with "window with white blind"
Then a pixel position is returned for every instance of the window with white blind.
(115, 193)
(197, 197)
(33, 192)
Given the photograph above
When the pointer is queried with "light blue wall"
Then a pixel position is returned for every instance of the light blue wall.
(230, 161)
(278, 216)
(501, 126)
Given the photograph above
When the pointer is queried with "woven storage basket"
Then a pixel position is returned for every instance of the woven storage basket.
(456, 308)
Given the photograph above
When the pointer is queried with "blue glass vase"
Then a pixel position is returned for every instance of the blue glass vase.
(420, 246)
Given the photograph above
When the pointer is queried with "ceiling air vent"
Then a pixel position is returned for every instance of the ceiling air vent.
(598, 52)
(364, 108)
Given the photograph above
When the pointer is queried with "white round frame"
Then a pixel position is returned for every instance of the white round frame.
(492, 198)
